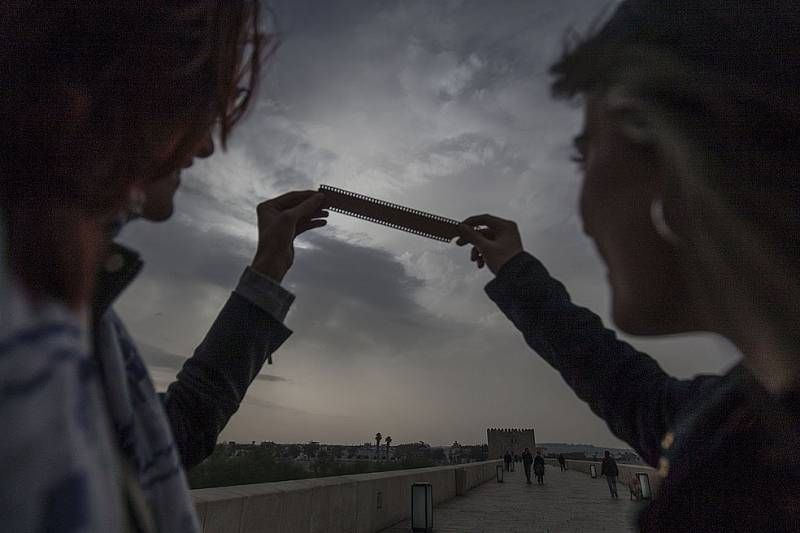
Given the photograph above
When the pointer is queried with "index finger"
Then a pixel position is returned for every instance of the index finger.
(307, 207)
(489, 221)
(290, 199)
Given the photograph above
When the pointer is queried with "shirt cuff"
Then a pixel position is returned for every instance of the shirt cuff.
(263, 292)
(522, 277)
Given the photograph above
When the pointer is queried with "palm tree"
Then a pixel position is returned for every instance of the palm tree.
(378, 438)
(388, 442)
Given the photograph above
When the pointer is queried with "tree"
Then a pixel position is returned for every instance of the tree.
(439, 456)
(294, 450)
(388, 442)
(311, 449)
(378, 438)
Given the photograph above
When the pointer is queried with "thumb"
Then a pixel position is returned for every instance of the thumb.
(307, 207)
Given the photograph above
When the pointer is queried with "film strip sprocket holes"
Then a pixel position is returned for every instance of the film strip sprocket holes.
(389, 214)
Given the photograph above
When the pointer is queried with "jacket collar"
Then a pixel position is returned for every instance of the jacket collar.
(120, 268)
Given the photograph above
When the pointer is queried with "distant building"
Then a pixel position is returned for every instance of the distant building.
(515, 440)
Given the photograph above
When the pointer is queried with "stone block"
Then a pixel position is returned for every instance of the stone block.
(223, 516)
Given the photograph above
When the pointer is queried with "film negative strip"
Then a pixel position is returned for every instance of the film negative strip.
(389, 214)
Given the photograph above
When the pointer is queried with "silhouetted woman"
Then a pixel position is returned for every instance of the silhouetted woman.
(100, 100)
(691, 192)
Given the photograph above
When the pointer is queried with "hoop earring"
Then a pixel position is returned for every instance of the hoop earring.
(660, 224)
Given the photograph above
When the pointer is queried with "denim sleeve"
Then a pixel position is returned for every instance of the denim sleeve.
(627, 388)
(213, 382)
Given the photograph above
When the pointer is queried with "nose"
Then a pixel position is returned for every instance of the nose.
(204, 150)
(206, 147)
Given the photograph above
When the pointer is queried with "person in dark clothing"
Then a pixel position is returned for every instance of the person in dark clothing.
(507, 458)
(103, 102)
(562, 462)
(527, 461)
(538, 468)
(690, 192)
(609, 469)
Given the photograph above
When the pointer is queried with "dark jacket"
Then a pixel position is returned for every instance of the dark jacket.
(507, 458)
(527, 458)
(160, 435)
(695, 431)
(538, 465)
(609, 467)
(212, 383)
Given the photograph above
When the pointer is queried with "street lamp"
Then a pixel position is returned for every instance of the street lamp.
(499, 473)
(644, 483)
(421, 507)
(593, 471)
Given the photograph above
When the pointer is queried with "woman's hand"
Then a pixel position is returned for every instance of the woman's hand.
(280, 220)
(495, 241)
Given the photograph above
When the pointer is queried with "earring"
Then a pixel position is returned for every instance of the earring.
(660, 224)
(136, 201)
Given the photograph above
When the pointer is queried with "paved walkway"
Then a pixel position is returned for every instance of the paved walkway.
(567, 502)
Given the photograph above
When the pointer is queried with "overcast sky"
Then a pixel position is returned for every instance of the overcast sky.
(443, 106)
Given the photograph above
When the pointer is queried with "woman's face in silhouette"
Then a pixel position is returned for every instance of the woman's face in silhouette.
(160, 194)
(621, 180)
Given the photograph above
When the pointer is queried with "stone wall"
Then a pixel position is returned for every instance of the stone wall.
(362, 503)
(626, 472)
(513, 439)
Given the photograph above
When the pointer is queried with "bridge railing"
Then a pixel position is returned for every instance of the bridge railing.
(361, 503)
(627, 472)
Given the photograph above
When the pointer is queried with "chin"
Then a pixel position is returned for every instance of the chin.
(159, 213)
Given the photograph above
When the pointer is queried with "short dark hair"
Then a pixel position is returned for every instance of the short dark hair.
(723, 79)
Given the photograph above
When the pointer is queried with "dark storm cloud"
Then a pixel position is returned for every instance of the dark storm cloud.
(356, 298)
(336, 282)
(157, 357)
(183, 248)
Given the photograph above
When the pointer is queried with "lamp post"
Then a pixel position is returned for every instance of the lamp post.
(499, 473)
(421, 507)
(644, 484)
(593, 471)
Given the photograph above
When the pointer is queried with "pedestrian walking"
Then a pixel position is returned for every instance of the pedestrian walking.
(507, 458)
(610, 470)
(562, 462)
(527, 461)
(538, 468)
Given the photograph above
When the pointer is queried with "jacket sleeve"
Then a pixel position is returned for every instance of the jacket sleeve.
(626, 388)
(213, 382)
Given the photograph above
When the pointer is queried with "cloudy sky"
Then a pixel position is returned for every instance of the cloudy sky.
(441, 105)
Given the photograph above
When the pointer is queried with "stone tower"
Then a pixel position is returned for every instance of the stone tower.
(515, 440)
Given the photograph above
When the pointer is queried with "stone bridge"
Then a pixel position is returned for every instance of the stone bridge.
(467, 498)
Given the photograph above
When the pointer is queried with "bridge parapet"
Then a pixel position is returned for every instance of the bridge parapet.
(361, 503)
